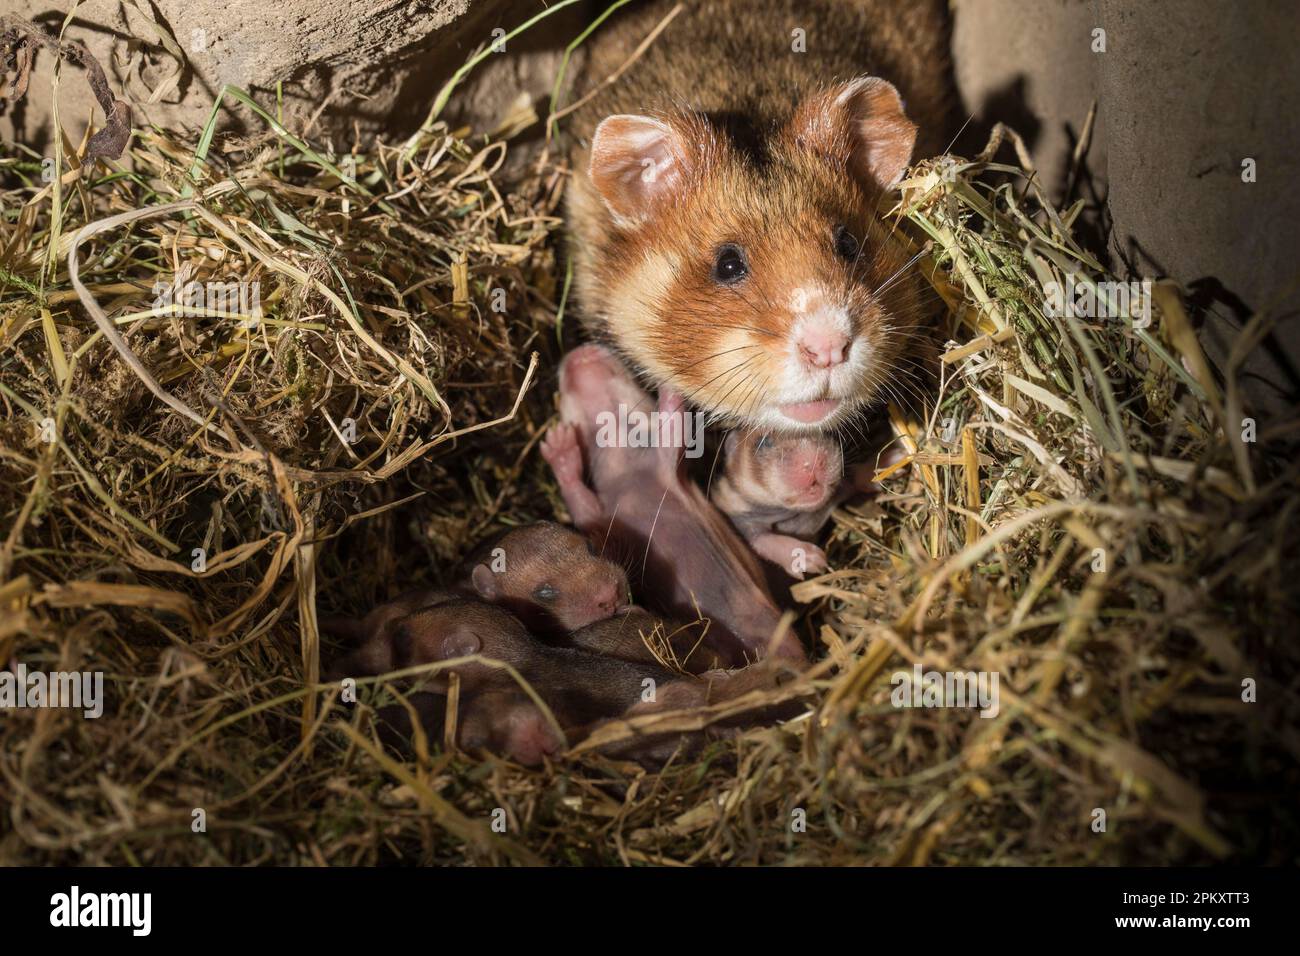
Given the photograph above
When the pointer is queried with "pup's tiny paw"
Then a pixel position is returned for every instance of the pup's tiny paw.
(562, 452)
(814, 559)
(805, 559)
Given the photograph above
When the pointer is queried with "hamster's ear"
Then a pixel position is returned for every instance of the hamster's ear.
(860, 123)
(637, 162)
(484, 581)
(460, 643)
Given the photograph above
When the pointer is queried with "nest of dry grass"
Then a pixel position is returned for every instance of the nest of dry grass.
(1077, 514)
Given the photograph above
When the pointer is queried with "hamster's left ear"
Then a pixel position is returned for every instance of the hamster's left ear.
(860, 123)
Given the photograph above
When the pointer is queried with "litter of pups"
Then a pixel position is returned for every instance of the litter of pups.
(547, 609)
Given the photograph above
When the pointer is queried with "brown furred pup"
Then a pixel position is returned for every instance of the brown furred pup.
(507, 722)
(724, 209)
(547, 575)
(579, 687)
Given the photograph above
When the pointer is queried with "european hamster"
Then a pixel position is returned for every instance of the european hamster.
(581, 689)
(723, 212)
(504, 722)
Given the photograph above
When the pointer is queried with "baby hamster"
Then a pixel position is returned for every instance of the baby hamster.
(692, 563)
(547, 575)
(779, 490)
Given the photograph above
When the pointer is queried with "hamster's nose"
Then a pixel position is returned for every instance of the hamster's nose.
(823, 347)
(815, 466)
(808, 474)
(610, 599)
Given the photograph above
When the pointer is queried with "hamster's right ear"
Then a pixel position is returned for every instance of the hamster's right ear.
(637, 162)
(484, 581)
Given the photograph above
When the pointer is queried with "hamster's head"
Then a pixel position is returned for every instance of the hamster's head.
(508, 723)
(799, 472)
(748, 269)
(593, 381)
(551, 578)
(460, 628)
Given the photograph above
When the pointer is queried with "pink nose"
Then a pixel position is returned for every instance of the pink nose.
(806, 472)
(823, 348)
(809, 472)
(610, 599)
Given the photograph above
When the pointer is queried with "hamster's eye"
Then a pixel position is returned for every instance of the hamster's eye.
(546, 593)
(846, 244)
(764, 442)
(591, 549)
(730, 266)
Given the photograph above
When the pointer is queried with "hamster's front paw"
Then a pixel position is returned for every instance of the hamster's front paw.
(795, 557)
(562, 452)
(814, 560)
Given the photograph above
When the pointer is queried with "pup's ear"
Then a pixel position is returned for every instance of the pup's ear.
(484, 581)
(460, 643)
(637, 163)
(860, 123)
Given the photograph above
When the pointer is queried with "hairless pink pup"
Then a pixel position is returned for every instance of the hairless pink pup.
(634, 495)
